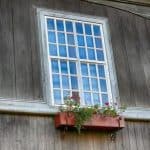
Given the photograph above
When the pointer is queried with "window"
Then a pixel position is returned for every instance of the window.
(78, 59)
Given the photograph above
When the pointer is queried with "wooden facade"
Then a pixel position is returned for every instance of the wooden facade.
(20, 77)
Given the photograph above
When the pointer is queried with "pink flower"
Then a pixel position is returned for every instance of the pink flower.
(107, 104)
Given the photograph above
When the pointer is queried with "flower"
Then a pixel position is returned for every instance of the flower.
(107, 104)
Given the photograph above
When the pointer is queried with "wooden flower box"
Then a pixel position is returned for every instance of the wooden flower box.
(64, 119)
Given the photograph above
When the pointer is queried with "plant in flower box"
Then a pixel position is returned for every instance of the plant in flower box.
(94, 117)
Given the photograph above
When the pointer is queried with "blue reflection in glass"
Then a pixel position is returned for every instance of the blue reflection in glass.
(70, 39)
(103, 85)
(84, 69)
(104, 99)
(60, 25)
(50, 24)
(87, 98)
(54, 64)
(79, 28)
(65, 82)
(91, 54)
(101, 71)
(72, 66)
(96, 30)
(56, 81)
(93, 70)
(57, 96)
(80, 40)
(51, 37)
(86, 85)
(63, 65)
(72, 51)
(74, 82)
(88, 29)
(62, 51)
(100, 55)
(82, 53)
(94, 84)
(96, 98)
(98, 42)
(66, 94)
(89, 41)
(61, 38)
(69, 27)
(53, 50)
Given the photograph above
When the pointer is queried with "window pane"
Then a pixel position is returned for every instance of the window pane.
(61, 38)
(101, 71)
(98, 43)
(56, 81)
(62, 51)
(86, 85)
(104, 98)
(66, 94)
(100, 55)
(91, 54)
(72, 51)
(80, 40)
(103, 85)
(96, 98)
(93, 70)
(50, 24)
(87, 98)
(54, 64)
(65, 82)
(60, 26)
(79, 28)
(89, 41)
(96, 30)
(69, 27)
(82, 53)
(51, 37)
(84, 69)
(88, 29)
(74, 83)
(53, 50)
(64, 67)
(94, 84)
(57, 96)
(70, 39)
(72, 68)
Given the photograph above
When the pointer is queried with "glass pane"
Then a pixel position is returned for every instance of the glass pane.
(53, 50)
(72, 68)
(62, 51)
(69, 27)
(51, 37)
(70, 39)
(94, 84)
(80, 40)
(101, 71)
(88, 29)
(60, 26)
(104, 98)
(72, 51)
(93, 70)
(65, 82)
(96, 30)
(103, 85)
(91, 54)
(98, 42)
(87, 98)
(54, 64)
(79, 28)
(84, 69)
(50, 24)
(100, 55)
(96, 98)
(86, 85)
(89, 41)
(61, 38)
(57, 96)
(56, 81)
(63, 65)
(74, 82)
(82, 53)
(66, 94)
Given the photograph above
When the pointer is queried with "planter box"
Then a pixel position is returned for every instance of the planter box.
(64, 119)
